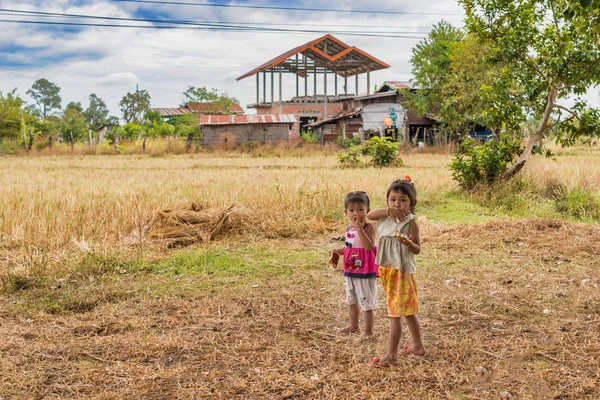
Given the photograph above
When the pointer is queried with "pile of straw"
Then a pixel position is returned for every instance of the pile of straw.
(192, 224)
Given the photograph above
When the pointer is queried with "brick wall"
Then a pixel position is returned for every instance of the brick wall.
(263, 133)
(312, 110)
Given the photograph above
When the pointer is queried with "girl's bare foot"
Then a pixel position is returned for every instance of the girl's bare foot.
(412, 351)
(349, 329)
(384, 362)
(367, 336)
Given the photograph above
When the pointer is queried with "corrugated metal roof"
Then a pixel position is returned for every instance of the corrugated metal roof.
(375, 95)
(395, 85)
(247, 119)
(171, 112)
(341, 115)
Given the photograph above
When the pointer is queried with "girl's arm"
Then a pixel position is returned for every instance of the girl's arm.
(415, 237)
(367, 241)
(372, 235)
(386, 212)
(374, 215)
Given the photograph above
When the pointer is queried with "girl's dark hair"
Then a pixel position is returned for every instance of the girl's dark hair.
(405, 187)
(356, 197)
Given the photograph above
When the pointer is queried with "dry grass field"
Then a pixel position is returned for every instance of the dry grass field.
(95, 303)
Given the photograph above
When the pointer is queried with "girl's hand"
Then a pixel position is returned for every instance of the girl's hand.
(398, 215)
(356, 224)
(334, 258)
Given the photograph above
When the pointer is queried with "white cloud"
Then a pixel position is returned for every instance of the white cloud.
(118, 79)
(110, 62)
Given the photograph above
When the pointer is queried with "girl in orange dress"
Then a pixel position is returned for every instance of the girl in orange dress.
(399, 243)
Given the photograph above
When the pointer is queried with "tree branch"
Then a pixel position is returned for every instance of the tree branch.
(536, 66)
(567, 110)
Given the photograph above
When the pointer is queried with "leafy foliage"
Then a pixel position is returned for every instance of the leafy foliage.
(380, 152)
(134, 105)
(96, 114)
(309, 137)
(11, 118)
(46, 95)
(549, 51)
(72, 125)
(214, 103)
(483, 164)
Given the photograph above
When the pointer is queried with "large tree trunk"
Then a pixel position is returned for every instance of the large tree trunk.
(534, 139)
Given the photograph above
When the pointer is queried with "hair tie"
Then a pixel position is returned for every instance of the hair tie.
(407, 178)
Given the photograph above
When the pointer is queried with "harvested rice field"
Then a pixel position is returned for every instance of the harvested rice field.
(205, 276)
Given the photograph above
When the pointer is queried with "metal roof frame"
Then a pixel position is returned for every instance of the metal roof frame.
(325, 54)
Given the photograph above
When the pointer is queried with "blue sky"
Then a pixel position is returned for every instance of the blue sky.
(112, 61)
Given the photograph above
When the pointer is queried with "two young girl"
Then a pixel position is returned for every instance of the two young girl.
(399, 242)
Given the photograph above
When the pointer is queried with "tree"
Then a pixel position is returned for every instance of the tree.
(74, 106)
(186, 124)
(431, 67)
(96, 114)
(134, 105)
(46, 95)
(215, 103)
(454, 79)
(551, 52)
(72, 126)
(11, 115)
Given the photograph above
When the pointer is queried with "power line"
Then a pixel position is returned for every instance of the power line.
(217, 28)
(41, 14)
(252, 6)
(191, 23)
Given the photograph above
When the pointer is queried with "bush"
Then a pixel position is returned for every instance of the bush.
(383, 152)
(483, 164)
(309, 137)
(348, 142)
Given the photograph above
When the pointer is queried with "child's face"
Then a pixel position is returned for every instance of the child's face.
(399, 201)
(357, 211)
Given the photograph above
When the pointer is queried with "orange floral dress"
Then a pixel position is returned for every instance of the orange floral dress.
(401, 292)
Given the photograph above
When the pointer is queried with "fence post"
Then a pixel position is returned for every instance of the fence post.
(50, 141)
(30, 143)
(188, 144)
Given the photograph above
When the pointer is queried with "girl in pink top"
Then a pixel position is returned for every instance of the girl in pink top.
(360, 270)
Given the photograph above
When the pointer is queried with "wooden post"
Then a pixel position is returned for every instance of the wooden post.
(315, 80)
(325, 93)
(345, 85)
(280, 90)
(272, 86)
(117, 141)
(305, 76)
(335, 77)
(297, 78)
(264, 86)
(72, 141)
(30, 142)
(188, 144)
(50, 141)
(257, 87)
(90, 137)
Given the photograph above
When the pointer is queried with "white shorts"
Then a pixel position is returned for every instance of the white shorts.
(362, 291)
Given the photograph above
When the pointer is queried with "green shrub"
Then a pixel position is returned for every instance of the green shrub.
(309, 137)
(380, 152)
(483, 164)
(348, 142)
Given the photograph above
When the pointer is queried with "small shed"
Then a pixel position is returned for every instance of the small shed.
(238, 129)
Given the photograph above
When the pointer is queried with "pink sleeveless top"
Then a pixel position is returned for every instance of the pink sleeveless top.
(358, 261)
